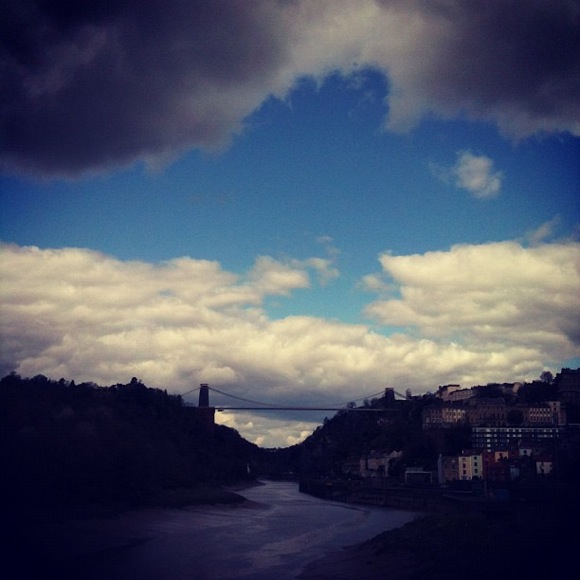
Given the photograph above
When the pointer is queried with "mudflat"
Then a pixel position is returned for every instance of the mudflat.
(529, 542)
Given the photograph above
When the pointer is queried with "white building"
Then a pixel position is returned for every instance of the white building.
(470, 466)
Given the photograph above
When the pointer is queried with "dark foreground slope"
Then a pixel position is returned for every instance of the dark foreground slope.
(531, 541)
(72, 451)
(67, 444)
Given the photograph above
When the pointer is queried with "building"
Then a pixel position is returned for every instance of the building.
(558, 412)
(510, 388)
(443, 415)
(568, 384)
(444, 391)
(449, 468)
(432, 417)
(376, 463)
(546, 413)
(418, 476)
(498, 465)
(470, 465)
(544, 466)
(449, 393)
(497, 438)
(461, 395)
(538, 414)
(490, 412)
(453, 415)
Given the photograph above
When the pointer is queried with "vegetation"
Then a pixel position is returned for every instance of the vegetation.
(65, 443)
(351, 434)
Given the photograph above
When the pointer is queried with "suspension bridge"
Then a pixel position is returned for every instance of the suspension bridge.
(251, 405)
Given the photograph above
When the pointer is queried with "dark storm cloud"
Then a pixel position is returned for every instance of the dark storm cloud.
(91, 84)
(87, 84)
(517, 60)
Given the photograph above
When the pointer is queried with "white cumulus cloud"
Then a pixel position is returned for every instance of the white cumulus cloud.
(491, 295)
(472, 314)
(476, 174)
(473, 173)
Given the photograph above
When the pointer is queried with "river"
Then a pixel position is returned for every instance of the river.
(271, 536)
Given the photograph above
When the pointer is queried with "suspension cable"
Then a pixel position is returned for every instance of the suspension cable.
(340, 404)
(242, 399)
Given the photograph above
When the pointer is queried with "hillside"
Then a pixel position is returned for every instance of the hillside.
(375, 426)
(63, 443)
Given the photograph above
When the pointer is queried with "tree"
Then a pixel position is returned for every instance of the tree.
(547, 377)
(537, 392)
(515, 417)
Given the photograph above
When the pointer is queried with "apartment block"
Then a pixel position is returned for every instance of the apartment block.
(495, 438)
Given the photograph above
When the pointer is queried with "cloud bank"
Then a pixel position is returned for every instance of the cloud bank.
(472, 314)
(87, 86)
(494, 294)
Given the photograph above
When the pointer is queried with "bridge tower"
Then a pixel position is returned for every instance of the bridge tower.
(205, 413)
(203, 395)
(389, 398)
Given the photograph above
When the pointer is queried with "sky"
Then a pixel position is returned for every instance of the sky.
(298, 202)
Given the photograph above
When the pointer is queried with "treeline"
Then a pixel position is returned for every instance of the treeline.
(351, 434)
(65, 443)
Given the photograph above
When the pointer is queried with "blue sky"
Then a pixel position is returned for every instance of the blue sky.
(321, 221)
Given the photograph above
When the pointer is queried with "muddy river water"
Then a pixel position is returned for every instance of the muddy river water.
(271, 536)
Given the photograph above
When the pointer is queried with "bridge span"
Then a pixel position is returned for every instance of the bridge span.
(388, 394)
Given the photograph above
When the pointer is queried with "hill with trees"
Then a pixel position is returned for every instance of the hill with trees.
(63, 443)
(376, 426)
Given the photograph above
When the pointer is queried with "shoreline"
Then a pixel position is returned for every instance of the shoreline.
(176, 498)
(528, 541)
(46, 542)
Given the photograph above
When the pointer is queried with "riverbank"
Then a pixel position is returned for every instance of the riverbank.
(59, 542)
(527, 541)
(201, 495)
(175, 498)
(27, 550)
(405, 498)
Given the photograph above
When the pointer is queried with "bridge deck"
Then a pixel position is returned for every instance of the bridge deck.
(220, 408)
